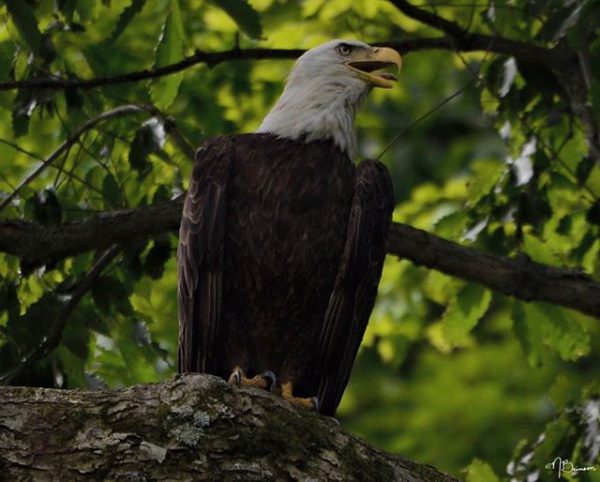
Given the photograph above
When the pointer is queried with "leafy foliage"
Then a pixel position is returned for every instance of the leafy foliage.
(168, 51)
(449, 372)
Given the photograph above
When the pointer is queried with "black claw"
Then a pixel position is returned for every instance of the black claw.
(272, 379)
(334, 420)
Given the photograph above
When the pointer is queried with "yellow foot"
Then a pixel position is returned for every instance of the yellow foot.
(265, 380)
(310, 403)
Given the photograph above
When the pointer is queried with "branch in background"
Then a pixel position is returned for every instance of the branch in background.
(120, 111)
(468, 43)
(572, 67)
(453, 29)
(521, 278)
(464, 41)
(53, 336)
(575, 81)
(529, 281)
(200, 57)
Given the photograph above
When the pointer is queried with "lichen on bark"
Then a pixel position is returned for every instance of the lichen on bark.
(190, 427)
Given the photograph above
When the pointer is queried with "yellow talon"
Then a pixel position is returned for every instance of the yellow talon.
(265, 380)
(310, 403)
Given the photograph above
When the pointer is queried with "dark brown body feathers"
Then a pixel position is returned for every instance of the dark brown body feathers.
(281, 248)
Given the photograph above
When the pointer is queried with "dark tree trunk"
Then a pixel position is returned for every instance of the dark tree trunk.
(191, 427)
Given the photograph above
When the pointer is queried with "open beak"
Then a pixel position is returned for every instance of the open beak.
(377, 59)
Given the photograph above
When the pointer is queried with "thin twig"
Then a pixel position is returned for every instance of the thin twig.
(427, 114)
(120, 111)
(448, 27)
(18, 148)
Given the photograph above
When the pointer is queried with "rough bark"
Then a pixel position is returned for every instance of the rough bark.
(191, 427)
(521, 278)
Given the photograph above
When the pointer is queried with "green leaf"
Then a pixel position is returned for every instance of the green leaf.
(593, 214)
(560, 22)
(86, 9)
(76, 336)
(156, 258)
(9, 301)
(7, 53)
(243, 14)
(45, 207)
(126, 16)
(26, 102)
(451, 226)
(74, 99)
(486, 174)
(26, 23)
(541, 327)
(594, 95)
(533, 208)
(464, 311)
(584, 168)
(67, 7)
(73, 367)
(22, 109)
(169, 50)
(111, 191)
(110, 294)
(148, 139)
(479, 471)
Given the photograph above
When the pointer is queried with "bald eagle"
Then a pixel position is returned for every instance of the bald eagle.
(282, 237)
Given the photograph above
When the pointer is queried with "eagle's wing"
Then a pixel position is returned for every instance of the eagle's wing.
(356, 283)
(200, 257)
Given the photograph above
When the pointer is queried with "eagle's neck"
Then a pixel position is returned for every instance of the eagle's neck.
(314, 111)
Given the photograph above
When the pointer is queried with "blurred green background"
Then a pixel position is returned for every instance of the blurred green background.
(449, 373)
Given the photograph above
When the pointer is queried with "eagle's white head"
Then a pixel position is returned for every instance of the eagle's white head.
(324, 89)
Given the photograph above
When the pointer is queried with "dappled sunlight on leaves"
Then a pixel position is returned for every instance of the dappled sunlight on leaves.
(449, 373)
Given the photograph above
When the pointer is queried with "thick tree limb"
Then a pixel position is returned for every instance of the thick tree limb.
(35, 245)
(521, 278)
(191, 427)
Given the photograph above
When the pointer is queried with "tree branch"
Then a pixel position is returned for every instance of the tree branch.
(453, 29)
(36, 245)
(529, 281)
(191, 427)
(120, 111)
(522, 278)
(467, 43)
(199, 57)
(117, 112)
(572, 67)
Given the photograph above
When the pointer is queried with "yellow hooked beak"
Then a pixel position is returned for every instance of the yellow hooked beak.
(371, 61)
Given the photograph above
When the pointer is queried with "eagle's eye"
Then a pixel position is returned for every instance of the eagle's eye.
(344, 49)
